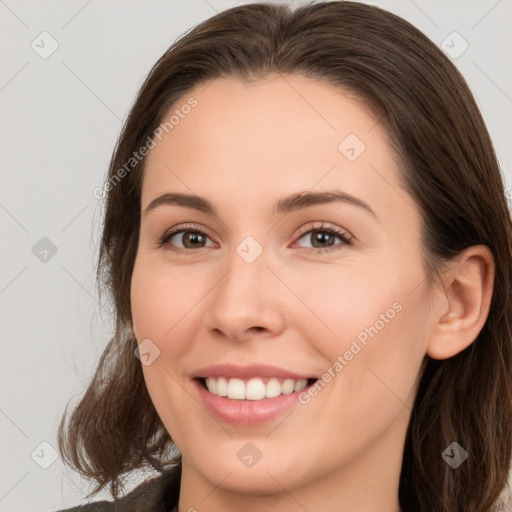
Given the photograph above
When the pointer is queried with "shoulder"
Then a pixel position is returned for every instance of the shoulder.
(159, 494)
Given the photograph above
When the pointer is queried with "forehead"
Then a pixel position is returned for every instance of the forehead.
(281, 132)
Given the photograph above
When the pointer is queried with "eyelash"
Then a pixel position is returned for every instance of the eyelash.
(162, 241)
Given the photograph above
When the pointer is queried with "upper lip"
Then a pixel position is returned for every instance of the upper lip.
(230, 370)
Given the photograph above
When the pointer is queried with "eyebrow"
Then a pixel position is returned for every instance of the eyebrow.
(284, 205)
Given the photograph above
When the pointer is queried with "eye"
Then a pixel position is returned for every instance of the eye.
(323, 238)
(191, 237)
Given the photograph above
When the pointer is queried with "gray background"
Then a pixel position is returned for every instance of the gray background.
(60, 117)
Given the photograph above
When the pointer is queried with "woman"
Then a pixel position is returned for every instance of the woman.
(308, 246)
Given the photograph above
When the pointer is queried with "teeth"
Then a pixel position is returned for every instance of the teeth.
(253, 389)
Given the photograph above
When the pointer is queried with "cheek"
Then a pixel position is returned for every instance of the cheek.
(160, 302)
(347, 307)
(148, 304)
(159, 299)
(375, 341)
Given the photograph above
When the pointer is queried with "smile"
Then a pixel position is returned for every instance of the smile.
(255, 388)
(243, 410)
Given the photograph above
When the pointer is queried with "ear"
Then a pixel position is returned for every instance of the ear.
(468, 288)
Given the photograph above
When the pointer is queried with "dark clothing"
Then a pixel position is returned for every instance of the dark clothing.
(160, 494)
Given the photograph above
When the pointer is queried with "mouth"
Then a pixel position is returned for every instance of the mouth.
(254, 389)
(250, 399)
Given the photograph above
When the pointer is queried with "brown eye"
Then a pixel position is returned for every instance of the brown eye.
(190, 239)
(321, 238)
(325, 238)
(185, 238)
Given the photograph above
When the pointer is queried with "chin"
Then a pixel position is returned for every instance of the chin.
(250, 481)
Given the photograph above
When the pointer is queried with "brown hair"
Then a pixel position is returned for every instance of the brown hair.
(448, 166)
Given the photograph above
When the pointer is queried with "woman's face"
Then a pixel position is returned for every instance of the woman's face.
(264, 283)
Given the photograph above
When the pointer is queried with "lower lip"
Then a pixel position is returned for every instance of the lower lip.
(246, 411)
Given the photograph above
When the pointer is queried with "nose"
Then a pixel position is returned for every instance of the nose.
(246, 302)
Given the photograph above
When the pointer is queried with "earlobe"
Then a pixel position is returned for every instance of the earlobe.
(468, 289)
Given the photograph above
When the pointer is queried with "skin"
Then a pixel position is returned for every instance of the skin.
(243, 147)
